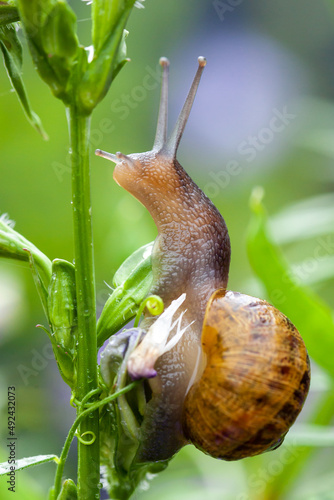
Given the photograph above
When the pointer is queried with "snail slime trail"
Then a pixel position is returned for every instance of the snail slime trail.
(235, 376)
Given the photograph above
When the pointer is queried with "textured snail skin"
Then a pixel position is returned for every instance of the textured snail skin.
(255, 381)
(191, 255)
(192, 251)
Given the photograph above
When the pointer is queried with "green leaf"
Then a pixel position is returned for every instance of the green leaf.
(121, 59)
(12, 55)
(306, 310)
(41, 289)
(133, 280)
(305, 219)
(106, 16)
(280, 485)
(109, 20)
(136, 258)
(14, 246)
(311, 435)
(8, 14)
(50, 28)
(24, 463)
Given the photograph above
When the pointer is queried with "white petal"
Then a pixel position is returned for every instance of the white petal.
(155, 343)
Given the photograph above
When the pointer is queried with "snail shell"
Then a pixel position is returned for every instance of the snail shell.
(255, 380)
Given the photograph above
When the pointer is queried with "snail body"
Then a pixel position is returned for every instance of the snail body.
(236, 380)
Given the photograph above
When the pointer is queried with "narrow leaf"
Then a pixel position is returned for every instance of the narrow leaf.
(12, 55)
(280, 485)
(105, 17)
(14, 246)
(311, 435)
(305, 309)
(128, 266)
(304, 220)
(41, 289)
(24, 463)
(133, 281)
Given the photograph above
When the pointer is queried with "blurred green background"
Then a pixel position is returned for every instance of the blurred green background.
(266, 59)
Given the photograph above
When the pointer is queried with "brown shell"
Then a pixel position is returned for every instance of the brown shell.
(255, 381)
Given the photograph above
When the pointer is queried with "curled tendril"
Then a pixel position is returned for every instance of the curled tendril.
(102, 383)
(83, 403)
(84, 441)
(154, 305)
(73, 401)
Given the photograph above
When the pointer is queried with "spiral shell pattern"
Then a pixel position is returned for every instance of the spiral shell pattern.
(255, 380)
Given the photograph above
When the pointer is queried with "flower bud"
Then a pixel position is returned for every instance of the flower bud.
(68, 491)
(120, 443)
(62, 304)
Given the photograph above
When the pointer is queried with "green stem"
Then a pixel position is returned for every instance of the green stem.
(71, 433)
(88, 456)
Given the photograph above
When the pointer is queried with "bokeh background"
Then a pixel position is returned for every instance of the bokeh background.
(266, 59)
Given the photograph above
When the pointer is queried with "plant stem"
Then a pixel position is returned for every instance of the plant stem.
(71, 433)
(88, 456)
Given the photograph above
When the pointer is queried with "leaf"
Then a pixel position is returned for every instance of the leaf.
(322, 271)
(123, 272)
(306, 310)
(305, 219)
(12, 55)
(50, 28)
(105, 19)
(280, 485)
(133, 280)
(109, 20)
(14, 246)
(41, 289)
(24, 463)
(121, 55)
(8, 14)
(311, 435)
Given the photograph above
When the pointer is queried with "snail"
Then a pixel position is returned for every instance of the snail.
(238, 375)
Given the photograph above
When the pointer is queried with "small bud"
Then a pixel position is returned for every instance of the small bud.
(112, 357)
(68, 491)
(62, 304)
(120, 426)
